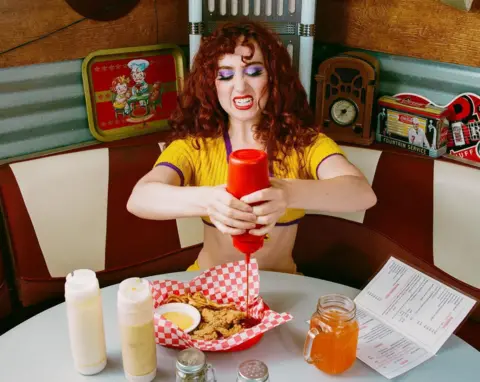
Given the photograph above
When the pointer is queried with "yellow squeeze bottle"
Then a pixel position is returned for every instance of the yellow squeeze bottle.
(135, 317)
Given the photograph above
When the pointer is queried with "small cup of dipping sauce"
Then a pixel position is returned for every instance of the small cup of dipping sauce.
(185, 316)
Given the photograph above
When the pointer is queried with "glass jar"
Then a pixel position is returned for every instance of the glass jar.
(192, 366)
(252, 371)
(331, 343)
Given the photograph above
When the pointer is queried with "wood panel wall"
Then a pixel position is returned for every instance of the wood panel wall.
(425, 29)
(26, 21)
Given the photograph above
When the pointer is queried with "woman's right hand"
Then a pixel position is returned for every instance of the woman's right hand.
(230, 215)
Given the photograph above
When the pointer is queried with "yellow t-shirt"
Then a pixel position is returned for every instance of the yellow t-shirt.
(208, 166)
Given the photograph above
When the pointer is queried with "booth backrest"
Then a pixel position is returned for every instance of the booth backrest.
(5, 304)
(428, 206)
(68, 211)
(426, 215)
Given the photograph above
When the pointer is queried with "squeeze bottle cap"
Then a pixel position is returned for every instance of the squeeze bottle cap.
(81, 283)
(134, 293)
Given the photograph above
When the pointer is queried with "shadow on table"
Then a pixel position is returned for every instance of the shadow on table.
(114, 362)
(282, 301)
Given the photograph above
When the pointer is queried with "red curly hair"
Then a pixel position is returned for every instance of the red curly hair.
(287, 122)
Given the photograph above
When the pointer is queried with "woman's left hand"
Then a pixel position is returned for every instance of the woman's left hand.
(275, 202)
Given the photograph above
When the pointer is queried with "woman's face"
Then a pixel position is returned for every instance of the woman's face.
(241, 86)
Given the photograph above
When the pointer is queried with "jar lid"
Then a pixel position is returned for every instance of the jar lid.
(252, 371)
(191, 360)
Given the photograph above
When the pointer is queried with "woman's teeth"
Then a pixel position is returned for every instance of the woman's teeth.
(246, 102)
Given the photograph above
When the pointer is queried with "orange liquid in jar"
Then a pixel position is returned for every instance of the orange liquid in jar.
(334, 350)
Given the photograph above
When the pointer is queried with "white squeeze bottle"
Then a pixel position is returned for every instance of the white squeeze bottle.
(85, 321)
(135, 317)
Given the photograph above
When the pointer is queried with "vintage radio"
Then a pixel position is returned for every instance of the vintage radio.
(417, 127)
(346, 88)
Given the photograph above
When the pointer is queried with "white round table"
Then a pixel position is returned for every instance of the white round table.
(38, 349)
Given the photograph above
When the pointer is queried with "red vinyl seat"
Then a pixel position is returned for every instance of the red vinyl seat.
(5, 303)
(68, 211)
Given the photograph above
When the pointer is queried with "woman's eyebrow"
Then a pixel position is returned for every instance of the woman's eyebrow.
(246, 65)
(254, 63)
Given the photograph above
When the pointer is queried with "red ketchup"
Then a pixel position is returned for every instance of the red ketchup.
(247, 173)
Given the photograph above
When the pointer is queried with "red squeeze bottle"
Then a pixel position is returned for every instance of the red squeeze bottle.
(247, 173)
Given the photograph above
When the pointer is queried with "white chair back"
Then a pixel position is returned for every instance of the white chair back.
(292, 20)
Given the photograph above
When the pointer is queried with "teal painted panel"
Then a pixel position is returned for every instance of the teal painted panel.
(42, 107)
(437, 81)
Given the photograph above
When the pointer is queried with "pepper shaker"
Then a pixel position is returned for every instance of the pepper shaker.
(192, 366)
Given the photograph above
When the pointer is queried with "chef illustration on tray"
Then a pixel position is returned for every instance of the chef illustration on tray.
(416, 135)
(138, 74)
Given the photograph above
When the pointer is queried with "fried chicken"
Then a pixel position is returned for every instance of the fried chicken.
(218, 320)
(205, 332)
(222, 318)
(225, 322)
(230, 332)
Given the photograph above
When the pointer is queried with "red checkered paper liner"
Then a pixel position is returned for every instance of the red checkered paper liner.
(223, 284)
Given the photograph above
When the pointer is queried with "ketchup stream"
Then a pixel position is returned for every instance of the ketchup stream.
(249, 322)
(247, 260)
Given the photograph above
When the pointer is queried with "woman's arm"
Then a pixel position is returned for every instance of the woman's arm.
(341, 188)
(158, 196)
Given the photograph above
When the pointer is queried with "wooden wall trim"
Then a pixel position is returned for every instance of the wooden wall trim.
(427, 29)
(21, 21)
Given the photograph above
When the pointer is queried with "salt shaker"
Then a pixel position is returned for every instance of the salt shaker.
(135, 317)
(192, 366)
(253, 371)
(85, 321)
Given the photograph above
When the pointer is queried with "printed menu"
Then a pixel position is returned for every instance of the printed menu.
(405, 317)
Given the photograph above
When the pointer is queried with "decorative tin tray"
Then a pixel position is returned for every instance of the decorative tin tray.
(131, 91)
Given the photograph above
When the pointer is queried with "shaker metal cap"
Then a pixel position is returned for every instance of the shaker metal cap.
(252, 371)
(191, 360)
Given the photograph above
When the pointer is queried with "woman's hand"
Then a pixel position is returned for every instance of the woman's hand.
(275, 202)
(230, 215)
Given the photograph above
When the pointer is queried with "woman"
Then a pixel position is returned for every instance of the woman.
(243, 92)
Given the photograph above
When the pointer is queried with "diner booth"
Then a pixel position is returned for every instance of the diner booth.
(65, 180)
